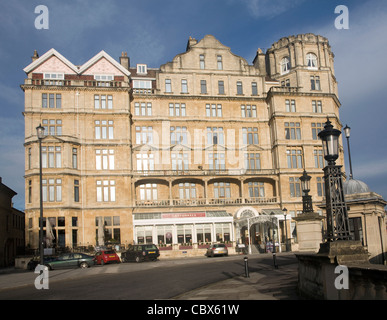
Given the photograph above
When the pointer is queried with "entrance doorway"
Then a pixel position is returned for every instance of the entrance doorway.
(262, 236)
(258, 230)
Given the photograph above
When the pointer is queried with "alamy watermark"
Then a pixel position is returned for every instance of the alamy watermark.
(342, 21)
(41, 281)
(342, 280)
(42, 20)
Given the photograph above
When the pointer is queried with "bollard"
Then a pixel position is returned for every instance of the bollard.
(246, 267)
(275, 260)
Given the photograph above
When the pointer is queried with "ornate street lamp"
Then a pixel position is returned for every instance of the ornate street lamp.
(336, 208)
(40, 134)
(330, 141)
(347, 131)
(285, 211)
(306, 198)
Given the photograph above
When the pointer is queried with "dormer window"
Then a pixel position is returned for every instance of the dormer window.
(201, 61)
(104, 80)
(219, 62)
(142, 69)
(285, 65)
(53, 78)
(104, 77)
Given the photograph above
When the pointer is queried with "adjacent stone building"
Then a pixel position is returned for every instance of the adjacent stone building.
(205, 148)
(11, 227)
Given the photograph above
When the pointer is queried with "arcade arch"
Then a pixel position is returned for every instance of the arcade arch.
(257, 231)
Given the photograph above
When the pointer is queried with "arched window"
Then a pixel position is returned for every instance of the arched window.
(311, 61)
(285, 65)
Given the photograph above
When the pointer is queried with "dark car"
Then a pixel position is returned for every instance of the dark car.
(71, 260)
(36, 260)
(141, 252)
(106, 256)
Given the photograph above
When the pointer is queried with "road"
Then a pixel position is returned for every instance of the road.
(134, 281)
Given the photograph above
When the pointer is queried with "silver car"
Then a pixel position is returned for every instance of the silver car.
(218, 249)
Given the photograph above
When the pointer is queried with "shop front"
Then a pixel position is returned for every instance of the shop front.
(184, 233)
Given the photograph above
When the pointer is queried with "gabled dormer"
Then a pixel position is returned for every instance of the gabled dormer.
(53, 69)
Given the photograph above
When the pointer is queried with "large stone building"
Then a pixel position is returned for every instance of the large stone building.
(205, 148)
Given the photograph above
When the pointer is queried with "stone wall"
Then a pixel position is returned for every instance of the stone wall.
(321, 277)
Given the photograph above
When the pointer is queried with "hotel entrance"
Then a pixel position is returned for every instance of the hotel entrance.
(258, 232)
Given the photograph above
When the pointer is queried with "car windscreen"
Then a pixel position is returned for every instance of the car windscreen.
(150, 247)
(109, 252)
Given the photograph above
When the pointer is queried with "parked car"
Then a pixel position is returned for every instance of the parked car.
(36, 260)
(71, 260)
(141, 252)
(218, 249)
(106, 256)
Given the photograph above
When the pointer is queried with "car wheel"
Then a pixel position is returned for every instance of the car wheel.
(138, 259)
(102, 262)
(123, 259)
(84, 265)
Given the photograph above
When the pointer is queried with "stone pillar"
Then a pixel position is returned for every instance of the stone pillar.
(309, 231)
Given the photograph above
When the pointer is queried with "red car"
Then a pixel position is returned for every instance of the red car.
(106, 256)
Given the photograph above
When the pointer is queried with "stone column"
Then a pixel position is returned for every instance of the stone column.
(309, 231)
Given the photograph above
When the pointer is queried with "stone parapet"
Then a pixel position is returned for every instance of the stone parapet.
(340, 271)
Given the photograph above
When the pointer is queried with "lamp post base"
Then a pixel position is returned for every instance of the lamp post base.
(345, 251)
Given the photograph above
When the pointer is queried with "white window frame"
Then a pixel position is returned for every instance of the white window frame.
(311, 61)
(106, 190)
(285, 65)
(142, 69)
(104, 77)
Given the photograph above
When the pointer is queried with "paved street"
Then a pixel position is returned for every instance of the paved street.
(189, 278)
(167, 279)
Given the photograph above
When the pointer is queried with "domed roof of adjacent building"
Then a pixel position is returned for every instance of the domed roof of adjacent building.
(353, 186)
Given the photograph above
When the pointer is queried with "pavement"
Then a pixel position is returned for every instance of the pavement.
(264, 282)
(268, 283)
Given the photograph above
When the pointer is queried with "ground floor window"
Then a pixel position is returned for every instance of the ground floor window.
(187, 234)
(109, 229)
(144, 235)
(223, 232)
(203, 233)
(356, 228)
(54, 232)
(184, 233)
(164, 234)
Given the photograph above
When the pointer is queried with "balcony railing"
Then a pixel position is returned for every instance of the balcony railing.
(225, 172)
(143, 91)
(204, 202)
(76, 82)
(285, 89)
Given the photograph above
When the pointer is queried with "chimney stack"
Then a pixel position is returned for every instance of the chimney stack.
(35, 56)
(191, 42)
(124, 60)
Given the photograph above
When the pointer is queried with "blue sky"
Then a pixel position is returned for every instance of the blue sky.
(154, 31)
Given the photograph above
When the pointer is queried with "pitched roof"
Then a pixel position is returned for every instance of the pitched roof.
(78, 70)
(45, 57)
(99, 56)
